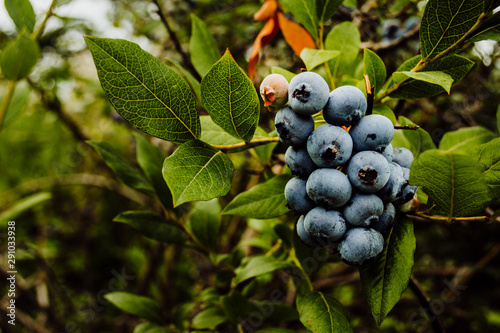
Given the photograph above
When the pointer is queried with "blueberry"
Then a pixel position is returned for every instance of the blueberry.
(326, 226)
(403, 157)
(303, 234)
(299, 161)
(346, 105)
(368, 171)
(329, 188)
(360, 245)
(411, 22)
(407, 194)
(391, 30)
(363, 209)
(386, 220)
(293, 129)
(372, 132)
(308, 93)
(388, 153)
(329, 146)
(395, 185)
(296, 196)
(274, 91)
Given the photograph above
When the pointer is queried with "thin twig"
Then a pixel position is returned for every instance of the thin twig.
(407, 127)
(437, 324)
(452, 219)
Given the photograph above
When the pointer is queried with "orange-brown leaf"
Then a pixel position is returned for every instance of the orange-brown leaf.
(263, 38)
(267, 10)
(295, 35)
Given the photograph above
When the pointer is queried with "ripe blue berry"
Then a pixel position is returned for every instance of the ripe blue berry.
(293, 129)
(303, 234)
(296, 196)
(363, 209)
(329, 188)
(372, 132)
(346, 105)
(388, 153)
(403, 157)
(329, 146)
(386, 220)
(360, 245)
(394, 187)
(328, 226)
(368, 171)
(308, 93)
(299, 162)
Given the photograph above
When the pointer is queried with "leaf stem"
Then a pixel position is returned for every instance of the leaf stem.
(6, 101)
(247, 145)
(38, 33)
(453, 219)
(437, 324)
(294, 258)
(321, 46)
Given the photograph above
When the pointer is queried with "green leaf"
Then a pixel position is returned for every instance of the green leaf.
(23, 205)
(21, 12)
(214, 135)
(153, 226)
(375, 69)
(143, 307)
(19, 57)
(197, 171)
(194, 83)
(385, 111)
(128, 174)
(444, 22)
(147, 93)
(418, 141)
(453, 182)
(344, 37)
(204, 222)
(465, 139)
(202, 46)
(326, 8)
(498, 119)
(490, 29)
(305, 12)
(385, 279)
(209, 319)
(454, 65)
(313, 58)
(259, 265)
(263, 201)
(433, 77)
(287, 74)
(488, 156)
(150, 159)
(230, 98)
(150, 328)
(321, 313)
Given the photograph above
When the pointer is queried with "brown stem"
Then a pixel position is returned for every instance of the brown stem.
(437, 324)
(407, 127)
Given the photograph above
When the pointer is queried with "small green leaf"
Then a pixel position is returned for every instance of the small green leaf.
(21, 12)
(209, 319)
(197, 171)
(313, 58)
(344, 37)
(151, 328)
(321, 313)
(263, 201)
(488, 156)
(465, 139)
(259, 265)
(19, 57)
(385, 111)
(195, 84)
(453, 182)
(326, 8)
(418, 141)
(153, 226)
(433, 77)
(147, 93)
(230, 98)
(143, 307)
(128, 174)
(202, 46)
(444, 22)
(305, 12)
(375, 69)
(204, 222)
(385, 279)
(287, 74)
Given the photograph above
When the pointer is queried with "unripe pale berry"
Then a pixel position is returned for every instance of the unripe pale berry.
(274, 91)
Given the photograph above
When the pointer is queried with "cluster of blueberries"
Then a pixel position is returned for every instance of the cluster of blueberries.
(348, 182)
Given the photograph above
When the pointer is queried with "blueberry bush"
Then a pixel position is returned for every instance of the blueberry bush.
(284, 187)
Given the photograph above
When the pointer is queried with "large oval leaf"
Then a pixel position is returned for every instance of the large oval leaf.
(21, 12)
(230, 98)
(465, 139)
(197, 171)
(202, 46)
(19, 57)
(143, 307)
(488, 156)
(147, 93)
(385, 279)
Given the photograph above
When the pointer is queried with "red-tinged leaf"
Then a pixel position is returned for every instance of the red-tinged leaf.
(267, 10)
(263, 38)
(295, 35)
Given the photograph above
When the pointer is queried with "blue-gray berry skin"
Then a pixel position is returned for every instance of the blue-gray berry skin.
(328, 226)
(346, 105)
(293, 129)
(329, 188)
(403, 157)
(296, 196)
(363, 209)
(388, 153)
(386, 220)
(299, 161)
(329, 146)
(368, 171)
(407, 194)
(406, 172)
(395, 185)
(360, 245)
(308, 93)
(372, 132)
(303, 234)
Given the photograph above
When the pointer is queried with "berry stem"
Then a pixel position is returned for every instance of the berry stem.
(369, 94)
(246, 145)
